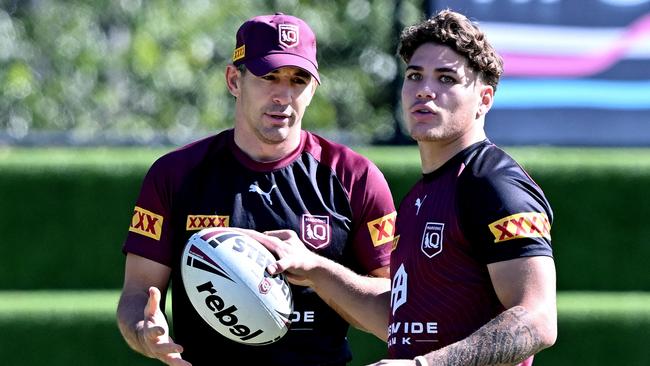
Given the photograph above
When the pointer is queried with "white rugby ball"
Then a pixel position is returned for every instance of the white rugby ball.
(225, 278)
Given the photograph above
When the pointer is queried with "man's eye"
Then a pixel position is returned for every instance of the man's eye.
(414, 76)
(447, 79)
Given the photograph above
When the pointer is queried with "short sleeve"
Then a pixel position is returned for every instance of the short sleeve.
(374, 210)
(503, 212)
(149, 233)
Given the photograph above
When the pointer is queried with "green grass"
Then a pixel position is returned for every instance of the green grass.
(564, 156)
(48, 304)
(590, 305)
(103, 303)
(62, 161)
(79, 328)
(78, 156)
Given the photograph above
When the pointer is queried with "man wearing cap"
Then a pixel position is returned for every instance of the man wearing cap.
(266, 173)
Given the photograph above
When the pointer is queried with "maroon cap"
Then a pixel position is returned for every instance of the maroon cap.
(268, 42)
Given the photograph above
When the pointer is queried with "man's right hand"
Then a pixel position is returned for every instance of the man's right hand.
(298, 263)
(154, 334)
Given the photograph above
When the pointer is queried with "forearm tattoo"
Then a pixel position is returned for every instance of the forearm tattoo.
(506, 340)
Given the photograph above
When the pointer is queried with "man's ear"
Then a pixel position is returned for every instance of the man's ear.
(486, 100)
(315, 86)
(313, 90)
(233, 80)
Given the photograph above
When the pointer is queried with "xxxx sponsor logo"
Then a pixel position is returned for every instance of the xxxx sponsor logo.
(239, 53)
(147, 223)
(382, 230)
(198, 222)
(521, 225)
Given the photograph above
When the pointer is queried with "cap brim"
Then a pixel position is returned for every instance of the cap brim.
(268, 63)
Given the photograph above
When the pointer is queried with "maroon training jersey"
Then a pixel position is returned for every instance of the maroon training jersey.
(478, 208)
(336, 200)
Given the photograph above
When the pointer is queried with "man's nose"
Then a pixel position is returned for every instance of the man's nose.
(425, 92)
(282, 95)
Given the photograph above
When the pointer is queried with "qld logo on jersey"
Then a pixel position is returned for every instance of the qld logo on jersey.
(431, 244)
(315, 230)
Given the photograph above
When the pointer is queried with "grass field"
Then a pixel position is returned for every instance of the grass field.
(65, 327)
(54, 304)
(568, 157)
(62, 327)
(103, 303)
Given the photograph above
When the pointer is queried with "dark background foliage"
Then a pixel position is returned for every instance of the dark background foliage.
(134, 71)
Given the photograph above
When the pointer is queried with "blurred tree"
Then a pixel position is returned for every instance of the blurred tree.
(136, 71)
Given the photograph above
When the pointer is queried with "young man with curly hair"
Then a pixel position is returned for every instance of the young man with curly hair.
(473, 277)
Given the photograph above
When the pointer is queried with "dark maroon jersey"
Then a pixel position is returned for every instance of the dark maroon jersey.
(480, 207)
(336, 200)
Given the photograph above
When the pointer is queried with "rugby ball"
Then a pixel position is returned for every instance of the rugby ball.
(225, 278)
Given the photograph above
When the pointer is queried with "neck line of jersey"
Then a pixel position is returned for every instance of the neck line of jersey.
(261, 166)
(461, 155)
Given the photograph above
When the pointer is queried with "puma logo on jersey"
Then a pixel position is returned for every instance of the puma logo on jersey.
(266, 195)
(418, 204)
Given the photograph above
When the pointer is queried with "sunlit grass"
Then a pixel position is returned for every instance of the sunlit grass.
(104, 302)
(563, 156)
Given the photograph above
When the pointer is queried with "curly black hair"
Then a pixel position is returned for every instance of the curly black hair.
(463, 36)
